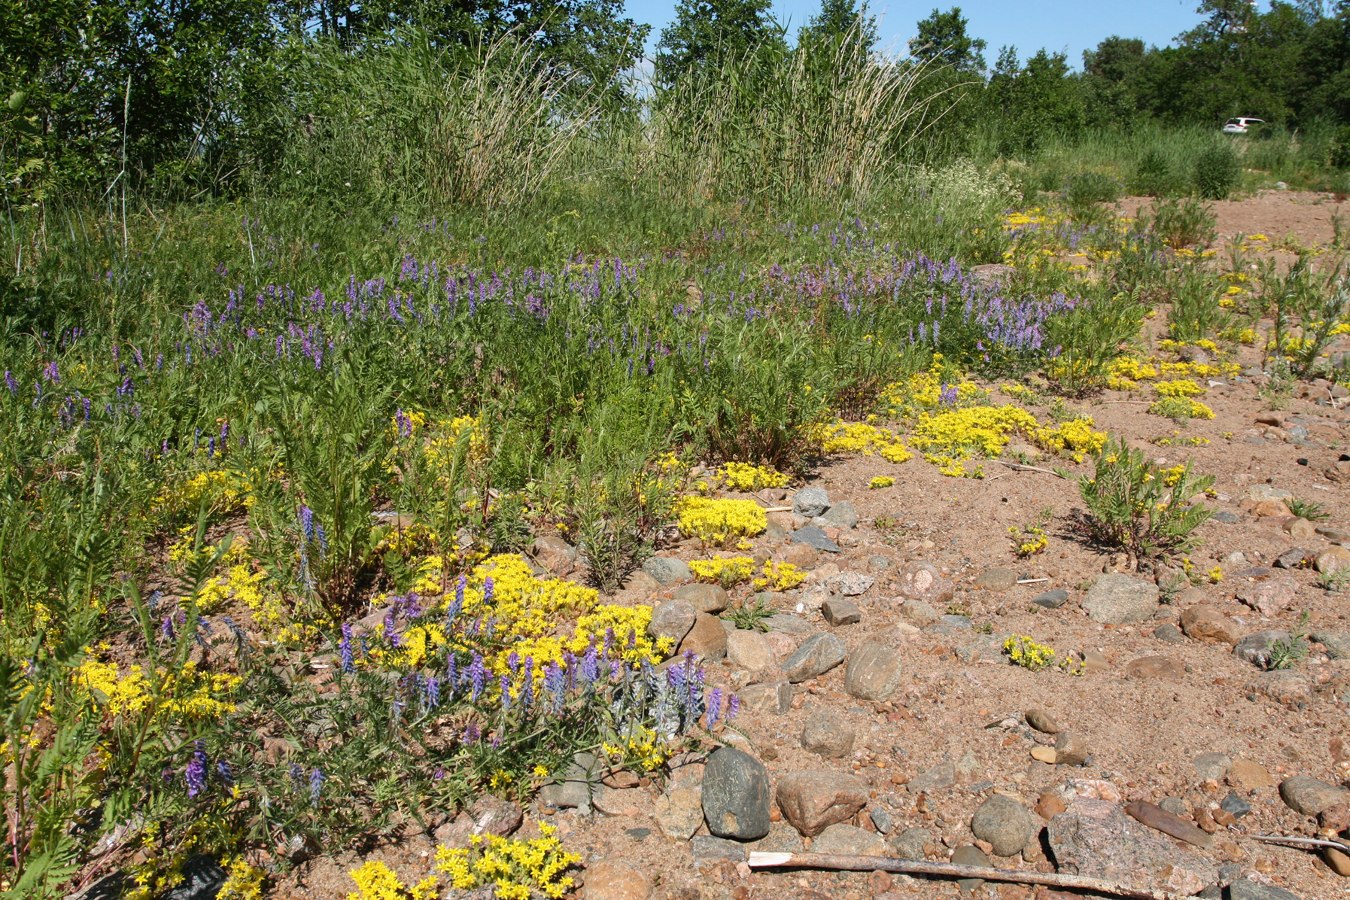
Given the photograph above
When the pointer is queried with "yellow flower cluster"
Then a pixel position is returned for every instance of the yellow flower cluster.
(779, 576)
(719, 521)
(187, 694)
(1019, 392)
(724, 570)
(924, 390)
(1025, 652)
(242, 881)
(1125, 373)
(515, 867)
(949, 438)
(860, 437)
(224, 491)
(1074, 437)
(736, 476)
(643, 750)
(1178, 388)
(1029, 542)
(881, 481)
(1180, 408)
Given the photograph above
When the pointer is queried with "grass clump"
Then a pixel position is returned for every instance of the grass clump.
(1216, 172)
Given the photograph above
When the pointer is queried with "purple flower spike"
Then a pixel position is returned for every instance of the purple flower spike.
(196, 771)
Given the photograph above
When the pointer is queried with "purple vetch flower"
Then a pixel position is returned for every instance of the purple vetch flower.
(225, 773)
(196, 770)
(51, 373)
(345, 649)
(471, 734)
(948, 395)
(307, 523)
(489, 588)
(11, 383)
(457, 605)
(527, 684)
(166, 630)
(322, 537)
(431, 692)
(477, 677)
(390, 629)
(506, 693)
(316, 779)
(733, 707)
(714, 707)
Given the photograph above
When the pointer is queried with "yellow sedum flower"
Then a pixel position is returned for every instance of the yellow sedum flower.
(719, 522)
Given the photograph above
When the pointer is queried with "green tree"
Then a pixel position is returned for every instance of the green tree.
(839, 18)
(706, 33)
(943, 37)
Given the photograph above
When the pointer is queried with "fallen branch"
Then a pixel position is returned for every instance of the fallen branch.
(1032, 580)
(1021, 467)
(852, 863)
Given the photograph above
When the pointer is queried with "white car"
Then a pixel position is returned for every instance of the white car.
(1241, 125)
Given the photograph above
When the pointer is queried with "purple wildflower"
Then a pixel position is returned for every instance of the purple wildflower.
(196, 771)
(316, 779)
(345, 649)
(714, 707)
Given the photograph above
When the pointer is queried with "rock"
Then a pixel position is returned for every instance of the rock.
(1337, 861)
(1071, 749)
(941, 777)
(667, 569)
(554, 554)
(1095, 838)
(1007, 825)
(909, 843)
(1203, 622)
(970, 855)
(1225, 517)
(811, 502)
(1049, 804)
(1246, 775)
(812, 536)
(993, 274)
(202, 879)
(1170, 823)
(749, 650)
(1245, 889)
(705, 598)
(882, 819)
(1042, 721)
(1121, 600)
(1095, 661)
(1309, 796)
(814, 800)
(840, 515)
(736, 795)
(919, 612)
(493, 815)
(850, 840)
(1169, 634)
(641, 584)
(1235, 806)
(997, 580)
(770, 698)
(679, 812)
(707, 640)
(1336, 642)
(838, 611)
(817, 655)
(1255, 648)
(1163, 668)
(1335, 535)
(824, 735)
(1052, 599)
(1212, 766)
(1268, 596)
(851, 584)
(924, 581)
(1270, 509)
(706, 846)
(1295, 558)
(1284, 686)
(573, 789)
(874, 672)
(612, 880)
(1332, 559)
(1044, 754)
(951, 624)
(800, 555)
(672, 619)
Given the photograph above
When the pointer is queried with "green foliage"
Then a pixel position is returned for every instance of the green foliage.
(1216, 172)
(1139, 508)
(749, 616)
(1154, 176)
(942, 37)
(1180, 224)
(1308, 509)
(706, 35)
(1306, 305)
(1089, 339)
(1286, 652)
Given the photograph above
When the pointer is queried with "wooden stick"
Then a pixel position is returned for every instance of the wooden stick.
(857, 863)
(1301, 841)
(1025, 468)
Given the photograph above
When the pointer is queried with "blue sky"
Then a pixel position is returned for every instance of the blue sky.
(1028, 25)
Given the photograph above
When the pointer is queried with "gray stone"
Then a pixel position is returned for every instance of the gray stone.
(773, 698)
(672, 619)
(840, 611)
(1336, 642)
(850, 840)
(998, 579)
(941, 777)
(840, 515)
(554, 554)
(993, 274)
(202, 880)
(1260, 492)
(1169, 634)
(1309, 796)
(782, 838)
(576, 785)
(851, 584)
(1268, 596)
(1244, 889)
(1121, 600)
(706, 598)
(1097, 839)
(1224, 517)
(667, 569)
(909, 843)
(736, 795)
(1212, 766)
(970, 855)
(1235, 805)
(707, 640)
(813, 536)
(881, 819)
(814, 800)
(924, 581)
(1295, 558)
(1007, 825)
(1255, 648)
(1052, 599)
(706, 846)
(493, 815)
(679, 812)
(874, 672)
(786, 623)
(951, 624)
(817, 655)
(1071, 749)
(811, 502)
(824, 735)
